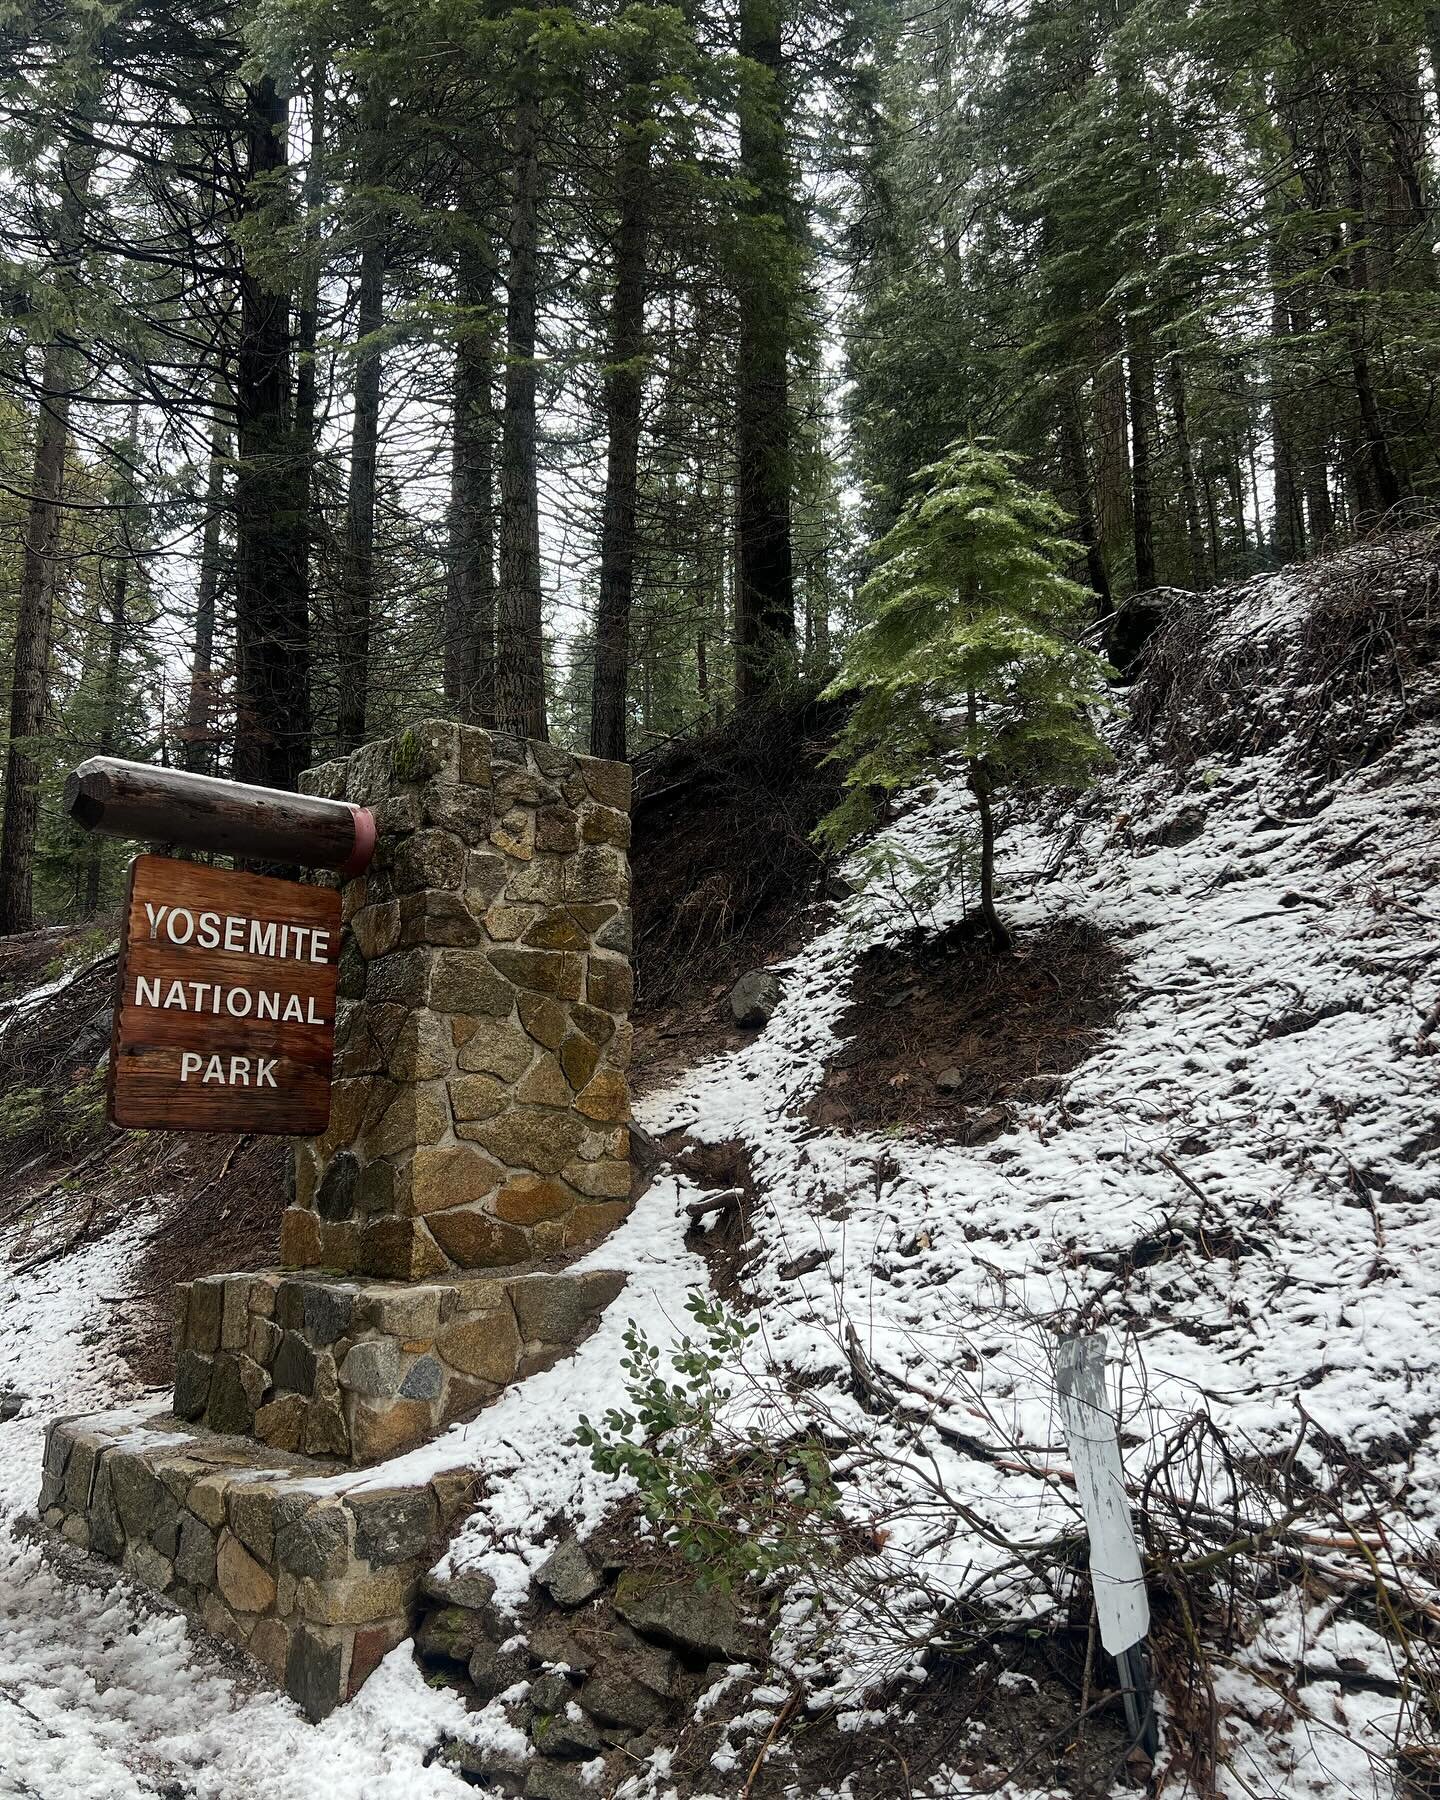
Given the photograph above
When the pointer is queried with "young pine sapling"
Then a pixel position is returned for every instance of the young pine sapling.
(970, 645)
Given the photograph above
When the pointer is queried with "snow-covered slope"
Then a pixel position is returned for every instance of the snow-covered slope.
(1242, 1183)
(1240, 1186)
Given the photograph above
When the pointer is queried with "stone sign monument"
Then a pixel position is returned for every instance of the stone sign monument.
(477, 1143)
(225, 1001)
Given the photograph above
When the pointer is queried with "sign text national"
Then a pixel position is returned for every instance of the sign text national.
(225, 1017)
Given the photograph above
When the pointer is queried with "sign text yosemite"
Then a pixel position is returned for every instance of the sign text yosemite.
(226, 1011)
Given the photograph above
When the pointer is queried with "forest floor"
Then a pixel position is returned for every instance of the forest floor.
(1198, 1112)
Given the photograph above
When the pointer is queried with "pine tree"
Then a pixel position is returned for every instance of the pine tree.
(969, 645)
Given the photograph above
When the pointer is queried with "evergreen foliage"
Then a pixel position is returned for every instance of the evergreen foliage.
(969, 646)
(489, 360)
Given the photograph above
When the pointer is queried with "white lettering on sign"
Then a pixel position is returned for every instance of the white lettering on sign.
(238, 932)
(239, 1002)
(231, 1071)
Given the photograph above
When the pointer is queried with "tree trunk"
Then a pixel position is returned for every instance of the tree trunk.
(1114, 519)
(272, 623)
(1352, 274)
(980, 787)
(1073, 434)
(470, 578)
(357, 582)
(1142, 417)
(35, 610)
(307, 316)
(520, 647)
(1179, 412)
(109, 708)
(34, 630)
(1235, 482)
(1212, 520)
(197, 738)
(1289, 518)
(624, 391)
(765, 575)
(1251, 465)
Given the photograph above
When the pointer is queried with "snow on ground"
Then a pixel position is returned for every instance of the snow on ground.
(1262, 1102)
(104, 1695)
(1261, 1106)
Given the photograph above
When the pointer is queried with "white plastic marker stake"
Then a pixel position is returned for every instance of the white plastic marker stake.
(1121, 1603)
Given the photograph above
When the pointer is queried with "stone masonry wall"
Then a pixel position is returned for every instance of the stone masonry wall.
(480, 1100)
(364, 1370)
(316, 1586)
(478, 1134)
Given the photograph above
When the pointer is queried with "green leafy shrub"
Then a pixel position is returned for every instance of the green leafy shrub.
(734, 1502)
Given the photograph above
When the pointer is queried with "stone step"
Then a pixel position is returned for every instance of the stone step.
(315, 1575)
(361, 1370)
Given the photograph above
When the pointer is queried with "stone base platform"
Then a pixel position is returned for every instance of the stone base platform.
(361, 1370)
(314, 1575)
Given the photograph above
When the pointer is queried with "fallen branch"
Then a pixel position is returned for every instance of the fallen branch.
(23, 1205)
(873, 1386)
(73, 1242)
(726, 1201)
(804, 1265)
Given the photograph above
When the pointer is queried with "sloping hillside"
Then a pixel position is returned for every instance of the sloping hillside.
(1199, 1112)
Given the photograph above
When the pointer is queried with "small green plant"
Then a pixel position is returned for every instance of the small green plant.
(82, 1111)
(970, 645)
(79, 951)
(733, 1501)
(21, 1110)
(912, 882)
(67, 1118)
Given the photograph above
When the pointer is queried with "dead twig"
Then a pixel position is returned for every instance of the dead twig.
(782, 1719)
(73, 1242)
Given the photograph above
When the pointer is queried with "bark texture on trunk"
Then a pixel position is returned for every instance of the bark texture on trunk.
(765, 576)
(520, 643)
(307, 312)
(34, 632)
(1142, 437)
(1073, 433)
(624, 391)
(357, 583)
(1378, 487)
(470, 578)
(1189, 492)
(272, 619)
(197, 744)
(61, 371)
(984, 805)
(1289, 512)
(1114, 517)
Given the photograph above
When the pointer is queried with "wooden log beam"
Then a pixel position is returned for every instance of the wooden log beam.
(197, 812)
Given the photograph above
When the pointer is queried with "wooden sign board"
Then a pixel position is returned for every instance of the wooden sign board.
(225, 1015)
